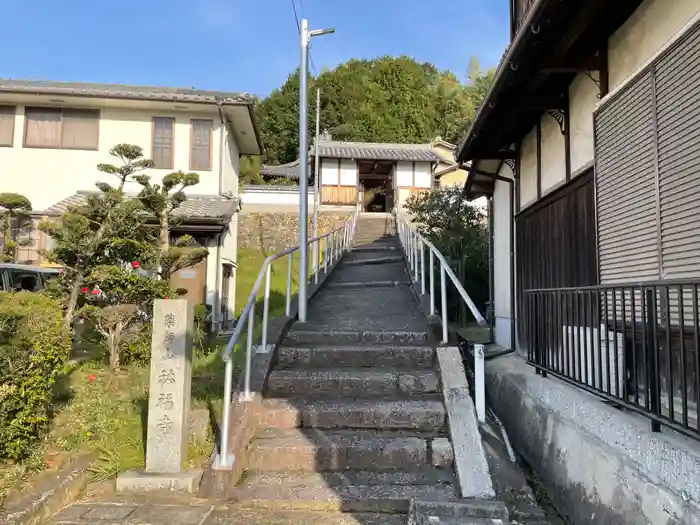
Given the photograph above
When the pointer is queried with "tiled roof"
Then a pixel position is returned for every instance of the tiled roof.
(377, 151)
(288, 171)
(195, 207)
(122, 91)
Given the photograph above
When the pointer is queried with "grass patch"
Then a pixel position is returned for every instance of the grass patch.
(105, 413)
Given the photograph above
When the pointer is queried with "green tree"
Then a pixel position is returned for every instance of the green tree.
(459, 230)
(387, 99)
(15, 216)
(162, 201)
(107, 230)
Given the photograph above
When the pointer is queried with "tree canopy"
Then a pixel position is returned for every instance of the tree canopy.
(387, 99)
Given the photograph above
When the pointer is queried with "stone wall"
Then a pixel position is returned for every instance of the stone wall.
(277, 231)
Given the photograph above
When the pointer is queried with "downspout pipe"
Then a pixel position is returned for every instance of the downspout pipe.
(511, 183)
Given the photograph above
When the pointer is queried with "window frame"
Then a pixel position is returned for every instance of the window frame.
(172, 142)
(211, 143)
(13, 114)
(61, 109)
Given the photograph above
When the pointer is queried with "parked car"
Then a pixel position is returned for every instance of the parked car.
(16, 277)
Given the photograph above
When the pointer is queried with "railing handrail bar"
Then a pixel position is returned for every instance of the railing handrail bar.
(638, 284)
(250, 304)
(455, 281)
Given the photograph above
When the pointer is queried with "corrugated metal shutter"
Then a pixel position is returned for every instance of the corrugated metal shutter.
(626, 186)
(678, 111)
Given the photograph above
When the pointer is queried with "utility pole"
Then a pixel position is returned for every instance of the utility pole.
(305, 38)
(317, 177)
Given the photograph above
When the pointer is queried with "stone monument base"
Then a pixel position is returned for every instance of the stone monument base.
(142, 481)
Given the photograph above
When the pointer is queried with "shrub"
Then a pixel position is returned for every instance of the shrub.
(136, 348)
(34, 346)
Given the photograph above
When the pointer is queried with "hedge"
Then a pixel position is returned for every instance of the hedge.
(34, 347)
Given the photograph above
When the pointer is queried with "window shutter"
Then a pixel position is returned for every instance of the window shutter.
(7, 125)
(626, 186)
(42, 127)
(678, 110)
(200, 144)
(80, 128)
(163, 128)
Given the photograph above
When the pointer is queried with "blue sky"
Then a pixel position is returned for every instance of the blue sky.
(235, 45)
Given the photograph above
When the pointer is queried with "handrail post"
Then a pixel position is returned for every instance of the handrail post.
(422, 268)
(249, 355)
(288, 303)
(317, 259)
(443, 302)
(325, 255)
(266, 306)
(432, 283)
(315, 256)
(479, 386)
(225, 460)
(415, 258)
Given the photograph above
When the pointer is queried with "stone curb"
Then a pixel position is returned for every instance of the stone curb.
(38, 504)
(470, 458)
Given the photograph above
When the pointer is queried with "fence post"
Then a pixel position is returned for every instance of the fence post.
(479, 386)
(652, 364)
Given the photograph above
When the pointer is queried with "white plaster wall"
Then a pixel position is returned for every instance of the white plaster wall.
(281, 197)
(423, 176)
(528, 169)
(583, 98)
(553, 154)
(348, 172)
(229, 255)
(502, 224)
(404, 174)
(45, 176)
(329, 172)
(231, 162)
(640, 37)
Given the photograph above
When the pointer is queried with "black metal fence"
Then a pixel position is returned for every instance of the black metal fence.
(634, 345)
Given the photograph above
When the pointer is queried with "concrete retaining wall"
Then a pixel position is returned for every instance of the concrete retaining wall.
(600, 465)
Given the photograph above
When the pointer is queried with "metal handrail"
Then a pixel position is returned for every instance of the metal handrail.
(413, 244)
(336, 243)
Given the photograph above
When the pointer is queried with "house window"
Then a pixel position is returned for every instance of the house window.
(61, 128)
(7, 125)
(200, 144)
(163, 133)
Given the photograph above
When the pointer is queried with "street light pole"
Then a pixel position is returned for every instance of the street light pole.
(305, 37)
(317, 176)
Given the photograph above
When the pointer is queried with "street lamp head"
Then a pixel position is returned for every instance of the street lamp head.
(319, 32)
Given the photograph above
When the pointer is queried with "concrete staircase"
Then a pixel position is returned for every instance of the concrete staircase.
(354, 421)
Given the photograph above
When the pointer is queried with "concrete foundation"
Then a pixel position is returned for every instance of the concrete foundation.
(599, 464)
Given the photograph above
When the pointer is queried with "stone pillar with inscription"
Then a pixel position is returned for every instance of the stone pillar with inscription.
(168, 402)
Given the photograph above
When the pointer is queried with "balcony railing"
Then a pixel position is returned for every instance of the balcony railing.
(634, 345)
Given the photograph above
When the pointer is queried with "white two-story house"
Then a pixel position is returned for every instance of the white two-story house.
(54, 134)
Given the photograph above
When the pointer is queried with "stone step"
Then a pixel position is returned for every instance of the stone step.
(342, 337)
(426, 414)
(355, 382)
(380, 248)
(361, 491)
(371, 260)
(235, 515)
(364, 255)
(355, 356)
(338, 450)
(463, 511)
